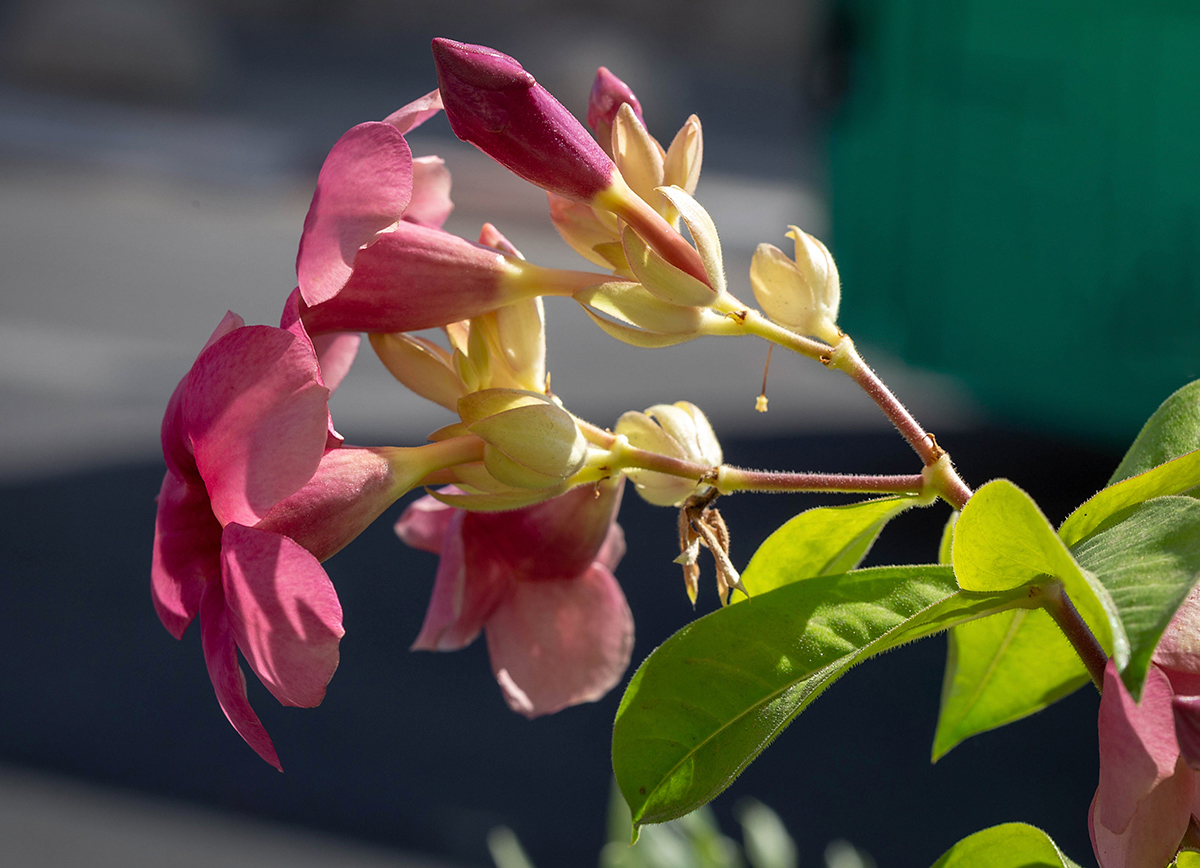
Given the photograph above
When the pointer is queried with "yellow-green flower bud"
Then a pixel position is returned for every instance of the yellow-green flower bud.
(531, 441)
(676, 430)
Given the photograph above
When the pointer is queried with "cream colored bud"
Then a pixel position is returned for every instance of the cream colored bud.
(801, 294)
(678, 430)
(681, 168)
(632, 303)
(638, 156)
(531, 441)
(420, 365)
(662, 279)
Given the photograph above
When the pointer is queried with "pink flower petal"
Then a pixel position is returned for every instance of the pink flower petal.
(424, 523)
(556, 644)
(416, 112)
(490, 236)
(1138, 750)
(220, 654)
(335, 354)
(1154, 831)
(187, 550)
(1178, 650)
(257, 417)
(430, 205)
(1187, 728)
(363, 188)
(177, 447)
(549, 541)
(283, 611)
(465, 593)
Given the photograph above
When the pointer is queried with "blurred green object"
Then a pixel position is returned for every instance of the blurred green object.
(1016, 200)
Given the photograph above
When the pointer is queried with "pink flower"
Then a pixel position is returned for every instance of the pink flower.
(373, 256)
(539, 582)
(369, 181)
(258, 491)
(1148, 790)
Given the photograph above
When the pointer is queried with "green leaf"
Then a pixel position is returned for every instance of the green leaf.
(820, 542)
(944, 547)
(1174, 477)
(1011, 845)
(1003, 540)
(1172, 430)
(1018, 663)
(1001, 669)
(1149, 562)
(715, 694)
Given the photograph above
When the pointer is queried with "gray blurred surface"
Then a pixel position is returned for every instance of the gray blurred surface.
(48, 821)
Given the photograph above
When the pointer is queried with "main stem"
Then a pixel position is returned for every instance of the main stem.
(1078, 633)
(844, 357)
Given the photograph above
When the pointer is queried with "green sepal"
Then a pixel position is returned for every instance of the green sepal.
(1010, 845)
(714, 695)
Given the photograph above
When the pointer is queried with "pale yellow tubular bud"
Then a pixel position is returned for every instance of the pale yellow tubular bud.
(531, 446)
(662, 279)
(690, 428)
(474, 362)
(521, 334)
(800, 294)
(638, 156)
(632, 303)
(421, 365)
(817, 265)
(704, 233)
(636, 337)
(681, 168)
(580, 227)
(476, 478)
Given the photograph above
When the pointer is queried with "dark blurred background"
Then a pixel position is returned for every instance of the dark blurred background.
(1010, 189)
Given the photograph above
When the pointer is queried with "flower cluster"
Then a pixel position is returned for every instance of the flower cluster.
(260, 488)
